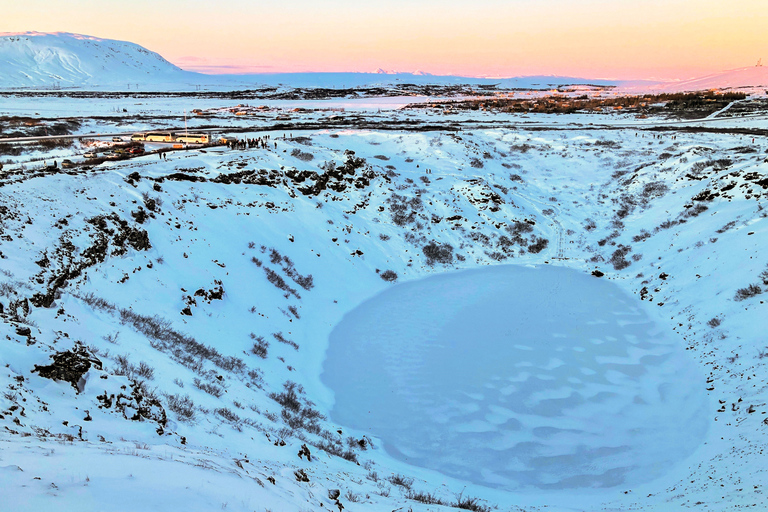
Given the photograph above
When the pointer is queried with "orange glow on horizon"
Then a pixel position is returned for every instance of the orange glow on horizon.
(592, 39)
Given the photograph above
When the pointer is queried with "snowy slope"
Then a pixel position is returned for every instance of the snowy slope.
(34, 59)
(753, 76)
(184, 284)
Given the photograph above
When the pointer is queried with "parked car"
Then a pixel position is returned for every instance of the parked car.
(90, 154)
(67, 163)
(119, 151)
(113, 156)
(136, 150)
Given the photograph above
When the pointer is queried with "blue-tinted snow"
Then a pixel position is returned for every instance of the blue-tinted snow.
(518, 377)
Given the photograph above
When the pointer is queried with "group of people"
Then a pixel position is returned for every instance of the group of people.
(258, 143)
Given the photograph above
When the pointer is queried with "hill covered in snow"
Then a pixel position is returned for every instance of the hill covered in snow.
(45, 60)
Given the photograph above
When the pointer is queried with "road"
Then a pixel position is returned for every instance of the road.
(371, 122)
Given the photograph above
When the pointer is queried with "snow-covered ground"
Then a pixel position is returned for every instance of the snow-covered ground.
(170, 327)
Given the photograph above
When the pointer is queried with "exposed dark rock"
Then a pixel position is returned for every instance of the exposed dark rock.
(69, 366)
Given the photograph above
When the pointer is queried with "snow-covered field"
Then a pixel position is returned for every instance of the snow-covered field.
(259, 329)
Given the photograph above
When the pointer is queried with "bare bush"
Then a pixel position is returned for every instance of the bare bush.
(424, 497)
(619, 258)
(301, 155)
(282, 339)
(748, 292)
(438, 253)
(401, 481)
(260, 346)
(210, 388)
(476, 163)
(183, 406)
(127, 369)
(146, 371)
(537, 245)
(404, 209)
(228, 415)
(275, 278)
(333, 447)
(470, 503)
(389, 275)
(298, 412)
(98, 303)
(642, 236)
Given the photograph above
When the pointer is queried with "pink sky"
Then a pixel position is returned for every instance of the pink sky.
(597, 38)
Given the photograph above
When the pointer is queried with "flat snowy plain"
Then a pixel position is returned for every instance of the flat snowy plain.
(495, 371)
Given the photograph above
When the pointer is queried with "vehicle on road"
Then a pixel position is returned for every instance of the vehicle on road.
(201, 138)
(159, 137)
(117, 139)
(66, 163)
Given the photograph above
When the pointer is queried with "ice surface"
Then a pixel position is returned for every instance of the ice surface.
(517, 377)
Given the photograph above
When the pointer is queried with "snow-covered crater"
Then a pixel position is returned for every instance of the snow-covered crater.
(518, 378)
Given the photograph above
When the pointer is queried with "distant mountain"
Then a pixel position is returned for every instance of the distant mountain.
(45, 60)
(753, 76)
(35, 60)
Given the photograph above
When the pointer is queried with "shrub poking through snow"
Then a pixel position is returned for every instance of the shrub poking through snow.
(404, 209)
(334, 447)
(282, 339)
(301, 155)
(298, 412)
(469, 503)
(438, 253)
(749, 291)
(537, 245)
(424, 497)
(210, 388)
(401, 480)
(260, 346)
(389, 275)
(619, 258)
(183, 406)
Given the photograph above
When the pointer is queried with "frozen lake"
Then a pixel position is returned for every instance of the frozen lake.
(518, 378)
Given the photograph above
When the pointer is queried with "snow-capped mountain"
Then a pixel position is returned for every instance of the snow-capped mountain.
(35, 59)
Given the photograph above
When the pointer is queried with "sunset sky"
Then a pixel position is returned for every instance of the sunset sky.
(622, 39)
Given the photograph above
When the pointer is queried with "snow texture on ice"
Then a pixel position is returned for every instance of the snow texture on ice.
(518, 377)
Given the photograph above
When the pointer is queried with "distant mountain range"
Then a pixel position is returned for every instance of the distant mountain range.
(35, 60)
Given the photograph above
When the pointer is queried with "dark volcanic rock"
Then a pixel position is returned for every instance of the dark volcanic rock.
(69, 366)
